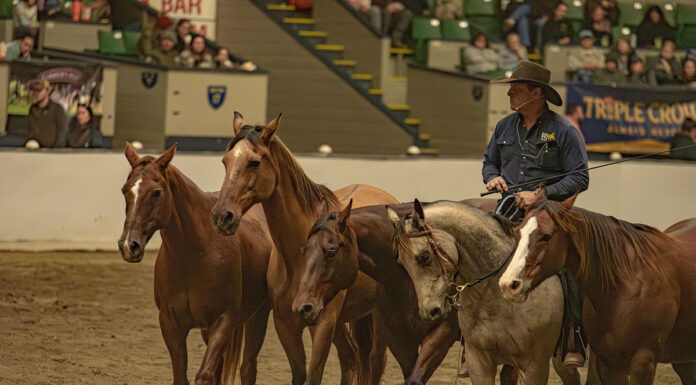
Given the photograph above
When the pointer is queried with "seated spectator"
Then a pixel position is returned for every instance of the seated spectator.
(100, 11)
(586, 58)
(371, 13)
(449, 9)
(688, 75)
(610, 75)
(25, 17)
(636, 72)
(222, 61)
(195, 56)
(512, 53)
(517, 19)
(654, 29)
(164, 54)
(575, 116)
(623, 53)
(150, 36)
(51, 7)
(611, 7)
(665, 68)
(81, 131)
(18, 49)
(558, 30)
(600, 25)
(47, 122)
(479, 58)
(686, 137)
(396, 20)
(183, 34)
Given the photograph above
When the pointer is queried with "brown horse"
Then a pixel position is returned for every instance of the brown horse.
(202, 279)
(640, 304)
(259, 168)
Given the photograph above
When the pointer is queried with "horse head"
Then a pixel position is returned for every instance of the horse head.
(250, 173)
(148, 201)
(331, 262)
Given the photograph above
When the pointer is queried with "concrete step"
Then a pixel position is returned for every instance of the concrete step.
(402, 111)
(364, 80)
(298, 23)
(345, 66)
(280, 10)
(313, 37)
(330, 51)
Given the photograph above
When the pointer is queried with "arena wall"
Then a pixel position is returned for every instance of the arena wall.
(68, 200)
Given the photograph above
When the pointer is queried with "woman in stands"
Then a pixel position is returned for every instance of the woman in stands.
(196, 56)
(81, 132)
(25, 17)
(512, 53)
(623, 52)
(654, 29)
(183, 34)
(688, 75)
(600, 25)
(479, 58)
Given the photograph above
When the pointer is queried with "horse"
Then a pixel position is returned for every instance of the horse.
(260, 169)
(202, 279)
(343, 245)
(640, 298)
(444, 241)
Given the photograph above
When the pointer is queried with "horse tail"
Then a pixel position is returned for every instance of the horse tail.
(361, 334)
(232, 354)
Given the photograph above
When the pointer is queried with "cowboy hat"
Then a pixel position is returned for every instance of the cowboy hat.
(536, 74)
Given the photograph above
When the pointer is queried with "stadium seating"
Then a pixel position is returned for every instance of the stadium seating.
(631, 14)
(484, 15)
(686, 21)
(457, 30)
(112, 43)
(422, 30)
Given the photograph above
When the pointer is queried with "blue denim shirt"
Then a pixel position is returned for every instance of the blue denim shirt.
(553, 146)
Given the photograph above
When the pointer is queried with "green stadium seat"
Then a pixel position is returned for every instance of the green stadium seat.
(6, 8)
(576, 10)
(686, 14)
(456, 30)
(112, 43)
(130, 39)
(482, 7)
(490, 25)
(686, 38)
(631, 13)
(620, 31)
(669, 10)
(425, 28)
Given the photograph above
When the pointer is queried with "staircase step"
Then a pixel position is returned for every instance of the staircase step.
(424, 136)
(412, 121)
(429, 151)
(330, 51)
(306, 33)
(313, 37)
(398, 79)
(280, 7)
(401, 51)
(345, 63)
(375, 91)
(401, 111)
(362, 76)
(364, 80)
(298, 23)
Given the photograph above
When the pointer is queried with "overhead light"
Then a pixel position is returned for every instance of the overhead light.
(434, 22)
(625, 31)
(577, 3)
(637, 5)
(669, 7)
(463, 24)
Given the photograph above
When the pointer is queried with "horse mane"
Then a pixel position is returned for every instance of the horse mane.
(400, 239)
(323, 223)
(601, 244)
(507, 225)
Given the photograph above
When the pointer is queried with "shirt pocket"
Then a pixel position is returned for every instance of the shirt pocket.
(550, 155)
(505, 143)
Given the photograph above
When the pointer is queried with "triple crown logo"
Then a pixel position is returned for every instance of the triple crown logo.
(216, 95)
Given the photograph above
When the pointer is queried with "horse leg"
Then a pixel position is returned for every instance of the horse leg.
(568, 375)
(434, 348)
(643, 366)
(404, 346)
(538, 372)
(290, 335)
(610, 376)
(686, 372)
(482, 369)
(378, 355)
(254, 334)
(322, 335)
(218, 337)
(346, 354)
(508, 375)
(175, 339)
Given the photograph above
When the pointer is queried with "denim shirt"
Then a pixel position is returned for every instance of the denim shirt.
(553, 146)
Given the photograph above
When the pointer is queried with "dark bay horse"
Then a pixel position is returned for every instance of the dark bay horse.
(260, 169)
(202, 279)
(640, 292)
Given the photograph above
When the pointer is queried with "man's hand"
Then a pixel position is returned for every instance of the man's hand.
(497, 183)
(524, 199)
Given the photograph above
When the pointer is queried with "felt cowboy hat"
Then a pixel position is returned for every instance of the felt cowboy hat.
(527, 71)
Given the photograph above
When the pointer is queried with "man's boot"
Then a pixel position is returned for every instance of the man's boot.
(574, 357)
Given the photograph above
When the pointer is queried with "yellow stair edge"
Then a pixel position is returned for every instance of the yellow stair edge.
(423, 136)
(280, 7)
(401, 51)
(329, 47)
(429, 151)
(534, 56)
(399, 107)
(312, 33)
(345, 63)
(412, 121)
(375, 91)
(398, 79)
(361, 76)
(297, 20)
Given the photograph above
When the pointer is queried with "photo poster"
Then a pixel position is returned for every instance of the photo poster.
(72, 85)
(202, 13)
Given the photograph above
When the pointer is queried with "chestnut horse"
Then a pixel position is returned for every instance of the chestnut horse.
(259, 168)
(202, 279)
(640, 295)
(339, 244)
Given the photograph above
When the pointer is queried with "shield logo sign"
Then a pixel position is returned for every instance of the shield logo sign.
(216, 95)
(477, 92)
(149, 78)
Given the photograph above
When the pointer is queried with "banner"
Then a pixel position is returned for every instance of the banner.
(72, 85)
(635, 120)
(202, 13)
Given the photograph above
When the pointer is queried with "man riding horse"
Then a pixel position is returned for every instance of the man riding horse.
(530, 144)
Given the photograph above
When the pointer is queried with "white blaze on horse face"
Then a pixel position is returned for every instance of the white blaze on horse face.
(239, 149)
(135, 189)
(520, 257)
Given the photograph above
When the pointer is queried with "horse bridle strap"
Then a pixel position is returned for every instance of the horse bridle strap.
(435, 246)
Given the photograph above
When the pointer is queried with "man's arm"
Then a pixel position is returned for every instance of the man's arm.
(572, 157)
(61, 126)
(491, 159)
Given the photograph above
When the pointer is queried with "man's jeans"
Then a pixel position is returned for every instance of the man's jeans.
(521, 17)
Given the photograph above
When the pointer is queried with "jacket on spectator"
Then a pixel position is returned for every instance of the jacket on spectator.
(681, 140)
(168, 59)
(603, 37)
(635, 79)
(556, 30)
(507, 60)
(663, 71)
(193, 60)
(13, 52)
(579, 57)
(606, 78)
(83, 136)
(480, 60)
(48, 125)
(25, 15)
(647, 32)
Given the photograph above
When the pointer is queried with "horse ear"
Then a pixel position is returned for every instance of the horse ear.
(131, 155)
(164, 159)
(238, 123)
(268, 131)
(568, 203)
(343, 217)
(418, 210)
(393, 216)
(322, 209)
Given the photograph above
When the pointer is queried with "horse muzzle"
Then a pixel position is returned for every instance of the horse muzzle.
(515, 290)
(131, 251)
(226, 222)
(308, 311)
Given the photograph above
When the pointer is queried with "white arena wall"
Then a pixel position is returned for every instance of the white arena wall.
(67, 200)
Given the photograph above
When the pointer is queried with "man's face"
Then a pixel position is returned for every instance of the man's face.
(519, 93)
(166, 45)
(40, 95)
(667, 50)
(559, 12)
(184, 29)
(26, 45)
(579, 115)
(637, 67)
(611, 66)
(586, 42)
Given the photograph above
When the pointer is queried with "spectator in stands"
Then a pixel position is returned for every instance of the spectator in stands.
(688, 75)
(611, 7)
(51, 7)
(25, 17)
(195, 56)
(150, 36)
(480, 58)
(558, 30)
(82, 132)
(586, 58)
(19, 49)
(610, 75)
(636, 74)
(222, 61)
(686, 137)
(371, 12)
(512, 53)
(600, 25)
(449, 9)
(183, 34)
(654, 29)
(164, 54)
(100, 11)
(623, 52)
(396, 20)
(664, 68)
(576, 116)
(47, 122)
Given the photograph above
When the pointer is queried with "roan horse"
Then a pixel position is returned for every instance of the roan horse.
(339, 244)
(640, 295)
(202, 279)
(446, 241)
(259, 168)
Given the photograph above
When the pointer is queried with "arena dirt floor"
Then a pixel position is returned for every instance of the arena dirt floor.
(90, 318)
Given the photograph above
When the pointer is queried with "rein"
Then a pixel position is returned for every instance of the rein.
(442, 256)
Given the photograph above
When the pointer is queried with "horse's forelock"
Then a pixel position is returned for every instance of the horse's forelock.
(250, 133)
(400, 239)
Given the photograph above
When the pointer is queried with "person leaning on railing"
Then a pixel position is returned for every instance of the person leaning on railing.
(686, 137)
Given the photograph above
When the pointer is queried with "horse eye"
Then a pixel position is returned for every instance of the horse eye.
(545, 238)
(157, 193)
(424, 258)
(332, 252)
(254, 164)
